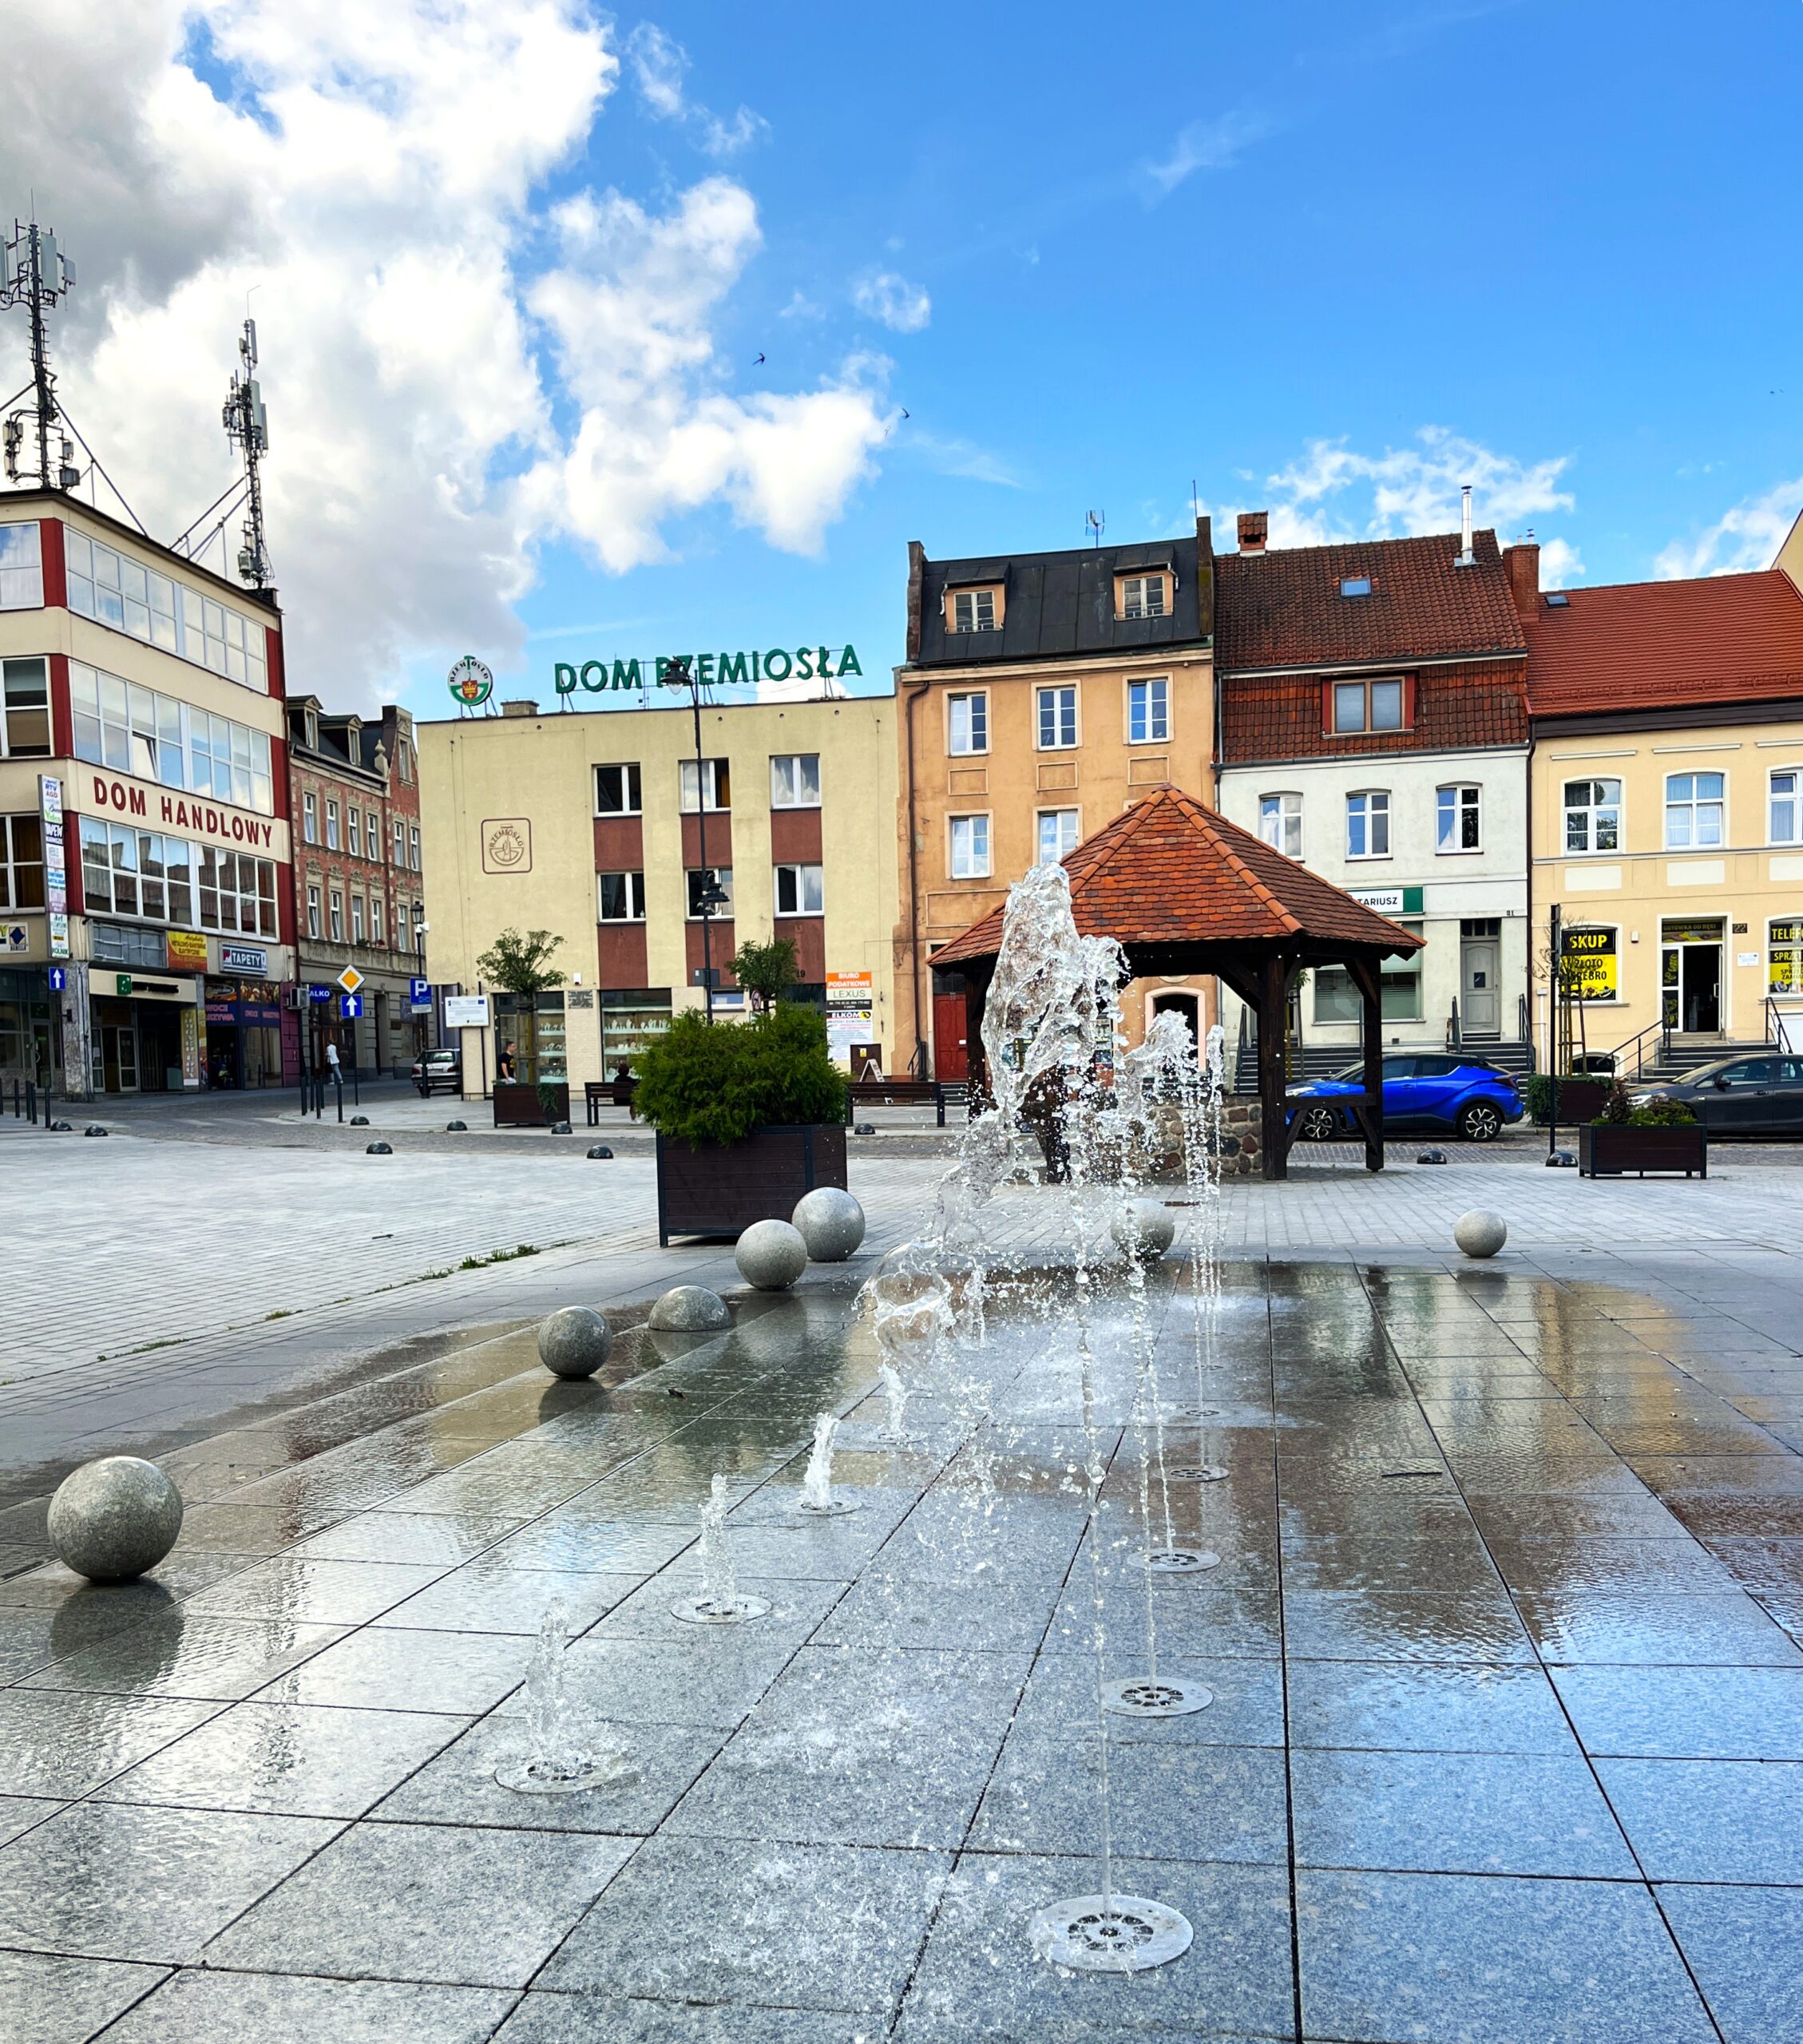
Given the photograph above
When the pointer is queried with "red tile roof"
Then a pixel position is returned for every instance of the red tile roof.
(1456, 709)
(1665, 645)
(1284, 608)
(1172, 871)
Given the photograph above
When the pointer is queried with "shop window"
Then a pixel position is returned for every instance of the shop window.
(632, 1019)
(1784, 968)
(970, 847)
(21, 861)
(1148, 710)
(1368, 825)
(1694, 804)
(616, 791)
(1057, 718)
(795, 780)
(974, 610)
(967, 722)
(1337, 997)
(1457, 819)
(1280, 823)
(1058, 830)
(530, 1038)
(715, 884)
(713, 778)
(1593, 816)
(25, 708)
(1368, 706)
(1143, 596)
(799, 891)
(622, 896)
(21, 573)
(1786, 813)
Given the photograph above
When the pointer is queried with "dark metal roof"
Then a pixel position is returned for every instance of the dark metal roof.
(1058, 605)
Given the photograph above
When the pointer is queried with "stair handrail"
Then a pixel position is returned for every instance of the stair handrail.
(1453, 1039)
(1637, 1043)
(1775, 1030)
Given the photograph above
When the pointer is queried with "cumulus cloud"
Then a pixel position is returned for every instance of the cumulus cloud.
(893, 301)
(1746, 537)
(660, 67)
(1205, 145)
(455, 368)
(1334, 493)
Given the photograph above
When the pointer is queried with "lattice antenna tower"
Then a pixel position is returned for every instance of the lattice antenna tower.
(247, 426)
(35, 273)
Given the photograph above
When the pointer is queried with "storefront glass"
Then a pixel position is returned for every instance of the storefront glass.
(632, 1019)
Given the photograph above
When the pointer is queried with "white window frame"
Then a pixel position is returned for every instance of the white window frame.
(1592, 813)
(1376, 807)
(116, 591)
(377, 922)
(632, 787)
(1052, 697)
(805, 879)
(354, 832)
(635, 891)
(1457, 810)
(21, 564)
(1693, 807)
(309, 818)
(1366, 685)
(971, 605)
(713, 773)
(332, 843)
(400, 842)
(979, 856)
(723, 875)
(1069, 821)
(974, 704)
(413, 846)
(1138, 588)
(1156, 706)
(335, 916)
(1794, 799)
(1280, 821)
(789, 774)
(313, 910)
(357, 919)
(1792, 948)
(37, 712)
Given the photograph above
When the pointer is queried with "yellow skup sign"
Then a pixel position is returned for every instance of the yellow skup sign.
(1587, 964)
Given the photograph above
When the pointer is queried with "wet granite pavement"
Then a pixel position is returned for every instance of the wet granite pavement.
(1506, 1742)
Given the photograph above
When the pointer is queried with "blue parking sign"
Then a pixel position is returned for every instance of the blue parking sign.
(419, 993)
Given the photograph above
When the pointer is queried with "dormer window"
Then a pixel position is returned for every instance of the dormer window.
(974, 610)
(313, 731)
(1355, 585)
(1143, 595)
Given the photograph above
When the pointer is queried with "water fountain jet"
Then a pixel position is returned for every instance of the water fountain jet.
(719, 1602)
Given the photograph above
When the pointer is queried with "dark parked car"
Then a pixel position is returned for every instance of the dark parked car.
(438, 1070)
(1760, 1095)
(1425, 1093)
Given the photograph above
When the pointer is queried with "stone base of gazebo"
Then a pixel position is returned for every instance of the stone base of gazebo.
(1241, 1141)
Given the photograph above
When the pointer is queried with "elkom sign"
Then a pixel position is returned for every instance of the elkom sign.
(711, 670)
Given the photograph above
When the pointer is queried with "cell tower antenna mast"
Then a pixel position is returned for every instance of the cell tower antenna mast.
(247, 426)
(34, 274)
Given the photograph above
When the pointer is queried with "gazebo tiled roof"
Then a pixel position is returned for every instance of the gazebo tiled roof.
(1170, 874)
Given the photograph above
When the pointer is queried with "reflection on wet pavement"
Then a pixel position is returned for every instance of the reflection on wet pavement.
(1505, 1642)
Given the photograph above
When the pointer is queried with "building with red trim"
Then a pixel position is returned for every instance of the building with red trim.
(147, 938)
(1373, 725)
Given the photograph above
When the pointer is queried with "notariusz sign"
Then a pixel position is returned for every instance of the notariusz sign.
(711, 670)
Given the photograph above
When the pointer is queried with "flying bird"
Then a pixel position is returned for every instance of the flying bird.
(905, 413)
(755, 364)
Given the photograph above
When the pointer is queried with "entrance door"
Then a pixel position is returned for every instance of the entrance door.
(1691, 980)
(118, 1056)
(951, 1055)
(1480, 998)
(1185, 1004)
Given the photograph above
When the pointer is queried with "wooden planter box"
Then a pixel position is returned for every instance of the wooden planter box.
(723, 1187)
(1580, 1100)
(519, 1107)
(1607, 1151)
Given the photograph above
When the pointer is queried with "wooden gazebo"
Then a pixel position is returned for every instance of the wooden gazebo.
(1182, 890)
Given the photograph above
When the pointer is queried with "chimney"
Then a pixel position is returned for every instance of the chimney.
(1467, 558)
(521, 707)
(1523, 561)
(1253, 526)
(917, 580)
(1205, 575)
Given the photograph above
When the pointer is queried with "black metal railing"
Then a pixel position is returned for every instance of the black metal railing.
(1636, 1046)
(1776, 1032)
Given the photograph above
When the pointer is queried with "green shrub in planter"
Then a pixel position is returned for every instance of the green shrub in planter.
(719, 1082)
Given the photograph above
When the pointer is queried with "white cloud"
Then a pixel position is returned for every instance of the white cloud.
(1746, 537)
(1334, 494)
(448, 384)
(659, 65)
(1206, 145)
(893, 301)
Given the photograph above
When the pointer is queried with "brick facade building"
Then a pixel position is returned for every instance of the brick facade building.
(359, 884)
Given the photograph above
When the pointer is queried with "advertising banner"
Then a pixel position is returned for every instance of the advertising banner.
(466, 1011)
(187, 950)
(1587, 964)
(850, 1009)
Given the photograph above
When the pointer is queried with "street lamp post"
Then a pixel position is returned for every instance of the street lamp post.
(711, 895)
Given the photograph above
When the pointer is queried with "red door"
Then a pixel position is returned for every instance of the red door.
(951, 1062)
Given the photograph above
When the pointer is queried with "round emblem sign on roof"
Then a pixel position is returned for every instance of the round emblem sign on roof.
(471, 683)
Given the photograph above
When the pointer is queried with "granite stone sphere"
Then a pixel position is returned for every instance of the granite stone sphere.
(689, 1309)
(1480, 1233)
(1144, 1228)
(113, 1518)
(830, 1222)
(770, 1255)
(573, 1342)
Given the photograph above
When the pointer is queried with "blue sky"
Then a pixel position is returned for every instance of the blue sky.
(515, 260)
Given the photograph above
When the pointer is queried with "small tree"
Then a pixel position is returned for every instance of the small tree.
(517, 964)
(766, 971)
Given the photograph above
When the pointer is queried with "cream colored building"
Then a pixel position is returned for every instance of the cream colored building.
(1667, 813)
(592, 824)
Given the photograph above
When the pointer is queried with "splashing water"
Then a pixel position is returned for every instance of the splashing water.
(817, 1484)
(721, 1602)
(895, 1398)
(560, 1758)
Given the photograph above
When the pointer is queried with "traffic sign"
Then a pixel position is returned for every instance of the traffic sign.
(350, 1006)
(350, 979)
(59, 978)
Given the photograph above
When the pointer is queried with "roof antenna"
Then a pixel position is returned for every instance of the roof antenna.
(1467, 558)
(35, 274)
(1096, 522)
(247, 426)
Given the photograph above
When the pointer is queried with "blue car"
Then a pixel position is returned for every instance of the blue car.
(1425, 1093)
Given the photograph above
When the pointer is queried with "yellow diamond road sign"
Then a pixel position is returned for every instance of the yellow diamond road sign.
(350, 979)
